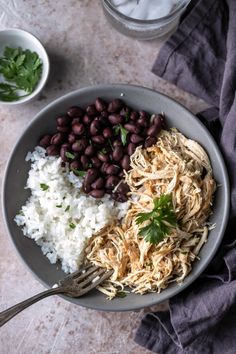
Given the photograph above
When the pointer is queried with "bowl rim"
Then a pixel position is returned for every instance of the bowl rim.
(46, 63)
(177, 289)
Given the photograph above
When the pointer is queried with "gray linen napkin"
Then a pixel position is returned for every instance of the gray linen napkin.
(200, 57)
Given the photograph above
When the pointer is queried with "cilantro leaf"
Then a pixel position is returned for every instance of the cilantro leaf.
(72, 226)
(67, 208)
(161, 219)
(44, 186)
(21, 67)
(69, 155)
(123, 133)
(121, 294)
(79, 172)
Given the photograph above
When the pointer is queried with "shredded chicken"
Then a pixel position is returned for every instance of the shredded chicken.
(174, 165)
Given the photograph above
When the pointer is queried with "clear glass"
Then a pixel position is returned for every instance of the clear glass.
(143, 29)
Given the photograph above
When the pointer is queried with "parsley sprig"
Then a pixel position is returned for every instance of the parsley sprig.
(160, 220)
(119, 129)
(22, 70)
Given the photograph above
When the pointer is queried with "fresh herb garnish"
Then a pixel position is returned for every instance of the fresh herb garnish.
(67, 208)
(103, 151)
(59, 206)
(127, 116)
(121, 294)
(79, 172)
(123, 133)
(72, 226)
(69, 155)
(22, 70)
(44, 186)
(161, 219)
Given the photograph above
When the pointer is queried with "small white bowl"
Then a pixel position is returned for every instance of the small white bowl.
(19, 38)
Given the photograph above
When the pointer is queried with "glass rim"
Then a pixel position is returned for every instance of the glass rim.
(179, 7)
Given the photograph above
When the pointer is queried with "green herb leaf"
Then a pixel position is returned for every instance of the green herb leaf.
(161, 219)
(23, 68)
(72, 226)
(59, 206)
(44, 186)
(121, 294)
(79, 172)
(123, 133)
(69, 155)
(127, 116)
(67, 208)
(103, 151)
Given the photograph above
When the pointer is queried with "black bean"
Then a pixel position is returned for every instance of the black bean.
(103, 157)
(91, 110)
(78, 129)
(75, 165)
(63, 152)
(104, 167)
(97, 193)
(87, 119)
(90, 150)
(75, 112)
(94, 127)
(134, 115)
(113, 170)
(63, 121)
(57, 139)
(79, 145)
(119, 197)
(150, 140)
(107, 133)
(143, 114)
(134, 138)
(123, 188)
(154, 130)
(115, 106)
(104, 114)
(125, 112)
(98, 183)
(132, 128)
(75, 120)
(91, 176)
(158, 121)
(63, 129)
(115, 119)
(125, 162)
(142, 122)
(45, 141)
(101, 120)
(67, 146)
(53, 150)
(100, 105)
(117, 153)
(112, 181)
(131, 149)
(71, 138)
(96, 162)
(117, 143)
(84, 161)
(98, 139)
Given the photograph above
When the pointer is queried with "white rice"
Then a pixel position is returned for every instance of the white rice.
(61, 218)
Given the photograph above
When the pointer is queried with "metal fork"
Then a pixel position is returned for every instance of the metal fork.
(74, 285)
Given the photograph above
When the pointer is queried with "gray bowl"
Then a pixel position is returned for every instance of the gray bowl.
(14, 194)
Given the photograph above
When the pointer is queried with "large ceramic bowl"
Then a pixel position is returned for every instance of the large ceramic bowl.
(14, 194)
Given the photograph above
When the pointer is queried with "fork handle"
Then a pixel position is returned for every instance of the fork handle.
(6, 315)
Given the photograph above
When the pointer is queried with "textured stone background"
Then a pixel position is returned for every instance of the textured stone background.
(84, 50)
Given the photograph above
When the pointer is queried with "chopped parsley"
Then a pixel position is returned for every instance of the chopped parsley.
(44, 186)
(72, 226)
